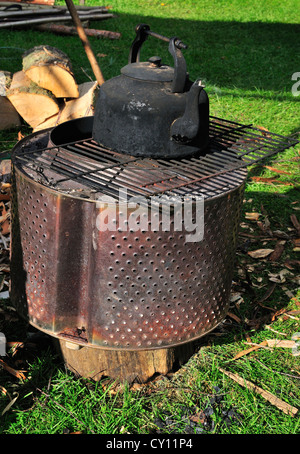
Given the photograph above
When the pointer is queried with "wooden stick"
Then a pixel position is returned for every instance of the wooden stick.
(66, 30)
(84, 39)
(286, 408)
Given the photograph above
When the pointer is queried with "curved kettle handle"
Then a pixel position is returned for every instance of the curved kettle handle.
(142, 33)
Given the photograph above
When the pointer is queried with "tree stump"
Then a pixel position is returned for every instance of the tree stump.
(51, 69)
(130, 366)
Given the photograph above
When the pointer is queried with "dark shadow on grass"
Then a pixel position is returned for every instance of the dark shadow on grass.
(243, 55)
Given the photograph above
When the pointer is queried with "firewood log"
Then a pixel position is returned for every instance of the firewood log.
(5, 81)
(50, 68)
(80, 107)
(33, 103)
(9, 117)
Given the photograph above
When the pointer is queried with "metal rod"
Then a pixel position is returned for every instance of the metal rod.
(178, 43)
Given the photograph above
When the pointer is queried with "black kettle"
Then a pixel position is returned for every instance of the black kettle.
(151, 109)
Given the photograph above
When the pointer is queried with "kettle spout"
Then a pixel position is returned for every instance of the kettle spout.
(185, 129)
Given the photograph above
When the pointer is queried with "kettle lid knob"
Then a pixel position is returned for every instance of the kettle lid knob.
(155, 61)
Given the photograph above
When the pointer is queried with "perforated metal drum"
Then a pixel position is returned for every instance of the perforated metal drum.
(124, 287)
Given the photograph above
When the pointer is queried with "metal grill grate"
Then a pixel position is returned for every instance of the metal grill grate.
(84, 168)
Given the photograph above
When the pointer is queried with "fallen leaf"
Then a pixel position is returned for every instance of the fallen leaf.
(3, 390)
(15, 373)
(279, 312)
(267, 294)
(14, 346)
(198, 417)
(290, 264)
(277, 170)
(5, 168)
(260, 253)
(280, 234)
(279, 277)
(295, 223)
(249, 350)
(277, 253)
(252, 216)
(264, 131)
(296, 242)
(235, 296)
(10, 404)
(271, 180)
(5, 225)
(281, 343)
(234, 317)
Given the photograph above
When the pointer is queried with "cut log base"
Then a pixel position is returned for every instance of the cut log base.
(123, 366)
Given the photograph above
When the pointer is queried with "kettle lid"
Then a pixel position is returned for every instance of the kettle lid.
(152, 70)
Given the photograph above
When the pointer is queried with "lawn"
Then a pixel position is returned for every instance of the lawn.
(246, 52)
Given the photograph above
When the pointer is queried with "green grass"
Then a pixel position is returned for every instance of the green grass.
(246, 52)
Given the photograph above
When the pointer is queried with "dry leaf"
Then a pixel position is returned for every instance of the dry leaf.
(279, 312)
(271, 180)
(295, 223)
(279, 248)
(277, 170)
(296, 242)
(234, 317)
(249, 350)
(264, 131)
(281, 343)
(15, 373)
(279, 277)
(3, 390)
(10, 404)
(260, 253)
(291, 263)
(252, 216)
(5, 167)
(235, 296)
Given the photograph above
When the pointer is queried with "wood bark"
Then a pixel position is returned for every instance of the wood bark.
(51, 69)
(5, 81)
(33, 103)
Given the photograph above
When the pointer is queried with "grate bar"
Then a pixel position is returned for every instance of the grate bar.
(233, 146)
